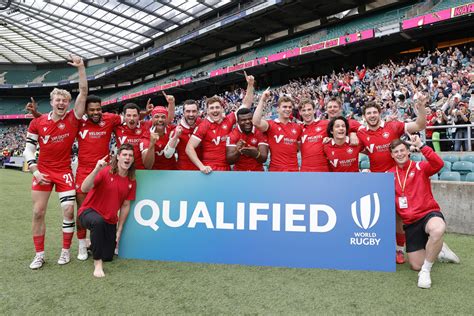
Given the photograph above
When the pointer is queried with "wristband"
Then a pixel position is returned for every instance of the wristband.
(36, 173)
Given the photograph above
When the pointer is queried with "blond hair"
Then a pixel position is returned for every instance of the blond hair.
(61, 92)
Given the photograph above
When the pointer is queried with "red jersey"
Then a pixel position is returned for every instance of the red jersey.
(184, 163)
(213, 138)
(343, 158)
(283, 141)
(108, 194)
(312, 154)
(125, 135)
(55, 140)
(94, 139)
(377, 143)
(354, 125)
(419, 198)
(255, 138)
(161, 162)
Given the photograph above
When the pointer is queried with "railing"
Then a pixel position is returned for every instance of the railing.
(451, 137)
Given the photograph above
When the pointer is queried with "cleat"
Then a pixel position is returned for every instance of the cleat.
(82, 254)
(424, 279)
(447, 255)
(65, 257)
(400, 257)
(37, 262)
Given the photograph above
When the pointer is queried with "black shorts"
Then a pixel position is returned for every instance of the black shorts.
(415, 233)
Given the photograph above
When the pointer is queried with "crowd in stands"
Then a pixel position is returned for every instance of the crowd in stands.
(12, 139)
(447, 75)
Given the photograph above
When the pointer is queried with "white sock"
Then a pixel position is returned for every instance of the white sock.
(427, 266)
(401, 248)
(82, 243)
(63, 249)
(41, 253)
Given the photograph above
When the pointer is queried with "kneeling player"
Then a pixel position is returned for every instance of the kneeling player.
(111, 188)
(423, 222)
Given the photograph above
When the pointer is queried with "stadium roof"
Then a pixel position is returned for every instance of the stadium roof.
(47, 31)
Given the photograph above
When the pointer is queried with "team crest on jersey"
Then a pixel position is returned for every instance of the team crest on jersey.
(138, 131)
(129, 186)
(101, 123)
(412, 174)
(83, 124)
(368, 138)
(293, 131)
(253, 141)
(279, 128)
(61, 125)
(350, 150)
(224, 126)
(332, 153)
(318, 129)
(214, 131)
(386, 135)
(44, 129)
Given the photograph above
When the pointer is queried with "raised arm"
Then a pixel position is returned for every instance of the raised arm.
(420, 123)
(248, 99)
(173, 142)
(257, 120)
(148, 109)
(32, 107)
(171, 107)
(88, 183)
(80, 105)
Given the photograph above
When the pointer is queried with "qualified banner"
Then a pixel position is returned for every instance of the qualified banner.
(303, 220)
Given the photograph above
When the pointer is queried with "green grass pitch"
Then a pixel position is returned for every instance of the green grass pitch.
(146, 287)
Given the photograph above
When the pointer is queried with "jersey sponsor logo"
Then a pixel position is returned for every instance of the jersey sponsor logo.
(61, 125)
(160, 152)
(278, 138)
(386, 135)
(370, 148)
(334, 162)
(83, 133)
(122, 139)
(45, 139)
(303, 139)
(219, 139)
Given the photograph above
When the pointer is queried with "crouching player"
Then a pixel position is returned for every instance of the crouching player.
(111, 188)
(424, 224)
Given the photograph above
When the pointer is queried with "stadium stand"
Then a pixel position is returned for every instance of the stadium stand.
(450, 176)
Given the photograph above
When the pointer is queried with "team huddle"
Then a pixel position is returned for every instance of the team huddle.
(240, 141)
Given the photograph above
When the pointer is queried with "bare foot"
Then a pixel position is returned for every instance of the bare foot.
(98, 270)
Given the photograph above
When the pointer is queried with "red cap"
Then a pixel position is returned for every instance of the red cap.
(159, 110)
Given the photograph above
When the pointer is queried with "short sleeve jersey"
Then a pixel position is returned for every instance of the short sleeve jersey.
(377, 144)
(255, 138)
(184, 163)
(283, 141)
(94, 138)
(55, 140)
(125, 135)
(213, 138)
(108, 194)
(342, 158)
(161, 162)
(312, 155)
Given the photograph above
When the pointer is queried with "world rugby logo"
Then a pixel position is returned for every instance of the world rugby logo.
(365, 216)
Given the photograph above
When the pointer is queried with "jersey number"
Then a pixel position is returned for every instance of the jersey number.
(67, 178)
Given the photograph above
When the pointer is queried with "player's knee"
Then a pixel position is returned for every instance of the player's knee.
(437, 231)
(415, 266)
(39, 212)
(98, 222)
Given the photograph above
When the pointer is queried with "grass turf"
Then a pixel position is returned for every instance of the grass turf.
(145, 287)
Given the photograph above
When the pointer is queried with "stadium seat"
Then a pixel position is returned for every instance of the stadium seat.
(446, 167)
(463, 167)
(450, 158)
(469, 177)
(416, 157)
(450, 176)
(468, 158)
(364, 164)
